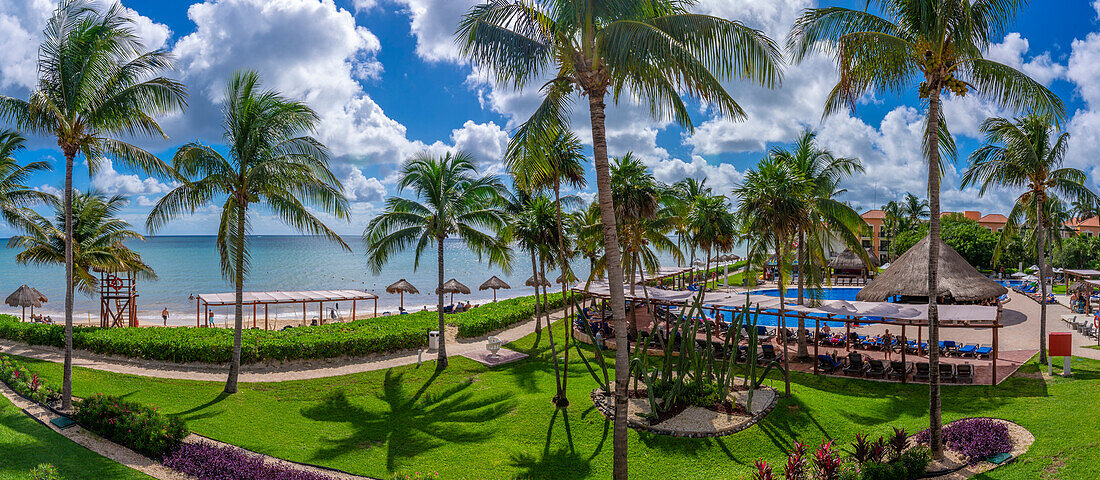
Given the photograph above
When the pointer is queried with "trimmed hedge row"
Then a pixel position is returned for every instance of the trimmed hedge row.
(141, 428)
(215, 345)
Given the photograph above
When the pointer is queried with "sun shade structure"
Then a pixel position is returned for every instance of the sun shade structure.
(402, 287)
(537, 281)
(848, 267)
(267, 299)
(452, 287)
(565, 278)
(24, 297)
(908, 277)
(494, 283)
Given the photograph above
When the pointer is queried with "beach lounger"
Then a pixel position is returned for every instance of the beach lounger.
(948, 347)
(947, 372)
(983, 351)
(856, 365)
(899, 370)
(828, 364)
(964, 373)
(967, 350)
(767, 354)
(877, 368)
(923, 372)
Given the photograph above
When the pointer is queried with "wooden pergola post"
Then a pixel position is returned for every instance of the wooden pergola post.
(320, 313)
(996, 343)
(303, 313)
(198, 311)
(817, 341)
(353, 302)
(253, 315)
(265, 318)
(848, 335)
(375, 307)
(904, 346)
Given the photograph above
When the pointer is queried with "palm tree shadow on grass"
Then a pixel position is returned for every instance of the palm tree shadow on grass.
(413, 423)
(563, 462)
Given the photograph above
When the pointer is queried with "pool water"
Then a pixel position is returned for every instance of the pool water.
(770, 318)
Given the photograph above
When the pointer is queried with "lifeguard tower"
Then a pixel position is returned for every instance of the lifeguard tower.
(117, 299)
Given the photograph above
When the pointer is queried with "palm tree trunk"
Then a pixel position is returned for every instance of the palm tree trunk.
(633, 330)
(780, 254)
(803, 351)
(935, 422)
(238, 307)
(562, 399)
(442, 362)
(596, 108)
(1042, 278)
(67, 379)
(538, 304)
(559, 396)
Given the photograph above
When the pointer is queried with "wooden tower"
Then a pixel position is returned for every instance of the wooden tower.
(117, 299)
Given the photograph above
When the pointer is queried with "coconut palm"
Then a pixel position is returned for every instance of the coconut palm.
(712, 226)
(679, 200)
(451, 201)
(14, 192)
(771, 210)
(934, 47)
(272, 163)
(651, 51)
(546, 161)
(98, 236)
(915, 208)
(96, 84)
(826, 217)
(1028, 154)
(587, 233)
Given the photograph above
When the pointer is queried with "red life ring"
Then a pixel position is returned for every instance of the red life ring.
(1096, 321)
(113, 282)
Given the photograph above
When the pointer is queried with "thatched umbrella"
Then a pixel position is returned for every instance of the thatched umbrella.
(1079, 285)
(847, 260)
(452, 287)
(26, 297)
(537, 281)
(566, 278)
(494, 283)
(402, 286)
(908, 276)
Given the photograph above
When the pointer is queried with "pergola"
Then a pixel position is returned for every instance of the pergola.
(1080, 274)
(266, 299)
(849, 312)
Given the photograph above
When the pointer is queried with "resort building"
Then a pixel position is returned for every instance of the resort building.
(1089, 227)
(875, 238)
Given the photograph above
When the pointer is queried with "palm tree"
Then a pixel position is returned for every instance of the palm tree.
(771, 210)
(96, 84)
(451, 201)
(649, 50)
(940, 44)
(894, 223)
(545, 162)
(915, 208)
(679, 199)
(826, 217)
(98, 236)
(13, 177)
(1027, 154)
(272, 163)
(587, 233)
(712, 226)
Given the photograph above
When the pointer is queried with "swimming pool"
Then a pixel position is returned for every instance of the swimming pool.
(770, 318)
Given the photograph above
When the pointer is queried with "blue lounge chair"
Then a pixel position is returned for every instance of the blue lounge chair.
(948, 347)
(983, 351)
(967, 350)
(449, 309)
(828, 364)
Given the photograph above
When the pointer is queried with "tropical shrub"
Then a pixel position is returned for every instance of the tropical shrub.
(45, 471)
(27, 383)
(215, 345)
(206, 460)
(975, 438)
(138, 427)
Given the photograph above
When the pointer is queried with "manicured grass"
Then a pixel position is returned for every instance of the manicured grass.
(475, 422)
(25, 443)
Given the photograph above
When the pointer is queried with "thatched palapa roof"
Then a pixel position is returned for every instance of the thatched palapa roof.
(494, 283)
(453, 286)
(908, 276)
(402, 286)
(26, 297)
(537, 281)
(848, 260)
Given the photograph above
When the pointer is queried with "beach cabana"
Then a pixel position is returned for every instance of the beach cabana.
(494, 283)
(907, 278)
(24, 297)
(537, 281)
(848, 267)
(267, 299)
(452, 287)
(402, 286)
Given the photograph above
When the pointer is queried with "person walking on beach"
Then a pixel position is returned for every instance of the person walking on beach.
(164, 315)
(888, 344)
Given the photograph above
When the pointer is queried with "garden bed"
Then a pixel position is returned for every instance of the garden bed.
(956, 466)
(692, 421)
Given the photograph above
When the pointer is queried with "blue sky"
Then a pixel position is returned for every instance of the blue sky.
(387, 80)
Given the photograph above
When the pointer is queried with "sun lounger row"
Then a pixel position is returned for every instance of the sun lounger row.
(856, 365)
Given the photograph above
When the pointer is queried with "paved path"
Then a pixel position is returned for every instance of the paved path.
(298, 370)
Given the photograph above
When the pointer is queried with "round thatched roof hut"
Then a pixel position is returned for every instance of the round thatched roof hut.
(908, 277)
(848, 260)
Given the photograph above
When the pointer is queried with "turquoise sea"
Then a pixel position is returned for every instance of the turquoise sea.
(188, 265)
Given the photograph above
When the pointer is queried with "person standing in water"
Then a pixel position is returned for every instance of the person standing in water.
(164, 315)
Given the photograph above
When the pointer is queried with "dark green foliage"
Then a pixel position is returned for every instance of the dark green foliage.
(133, 425)
(911, 465)
(45, 471)
(26, 382)
(974, 242)
(1079, 251)
(700, 394)
(215, 345)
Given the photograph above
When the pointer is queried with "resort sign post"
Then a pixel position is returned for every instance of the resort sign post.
(1060, 344)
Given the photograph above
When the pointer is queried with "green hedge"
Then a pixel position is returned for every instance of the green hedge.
(215, 345)
(26, 382)
(138, 427)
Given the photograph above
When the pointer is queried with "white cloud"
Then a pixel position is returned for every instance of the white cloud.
(357, 187)
(1011, 52)
(773, 17)
(434, 23)
(50, 189)
(487, 142)
(110, 181)
(721, 177)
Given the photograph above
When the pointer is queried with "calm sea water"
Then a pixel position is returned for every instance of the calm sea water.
(188, 265)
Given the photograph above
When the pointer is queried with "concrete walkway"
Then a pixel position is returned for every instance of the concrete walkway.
(268, 372)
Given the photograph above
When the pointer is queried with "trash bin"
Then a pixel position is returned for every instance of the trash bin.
(433, 340)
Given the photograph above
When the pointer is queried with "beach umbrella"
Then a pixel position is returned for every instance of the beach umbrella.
(537, 281)
(402, 286)
(452, 287)
(24, 297)
(494, 283)
(1019, 275)
(565, 278)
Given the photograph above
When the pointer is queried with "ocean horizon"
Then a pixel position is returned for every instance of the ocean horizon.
(188, 264)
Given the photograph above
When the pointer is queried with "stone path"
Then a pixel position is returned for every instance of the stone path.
(279, 372)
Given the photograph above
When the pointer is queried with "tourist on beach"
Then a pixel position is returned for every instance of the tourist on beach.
(888, 344)
(209, 318)
(164, 315)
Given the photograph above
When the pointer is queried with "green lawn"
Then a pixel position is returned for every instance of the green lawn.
(25, 443)
(474, 422)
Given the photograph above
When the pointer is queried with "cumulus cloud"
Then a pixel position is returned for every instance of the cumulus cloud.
(434, 22)
(111, 181)
(487, 142)
(357, 187)
(1011, 51)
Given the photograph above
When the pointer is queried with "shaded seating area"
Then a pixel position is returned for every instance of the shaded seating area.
(203, 302)
(849, 268)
